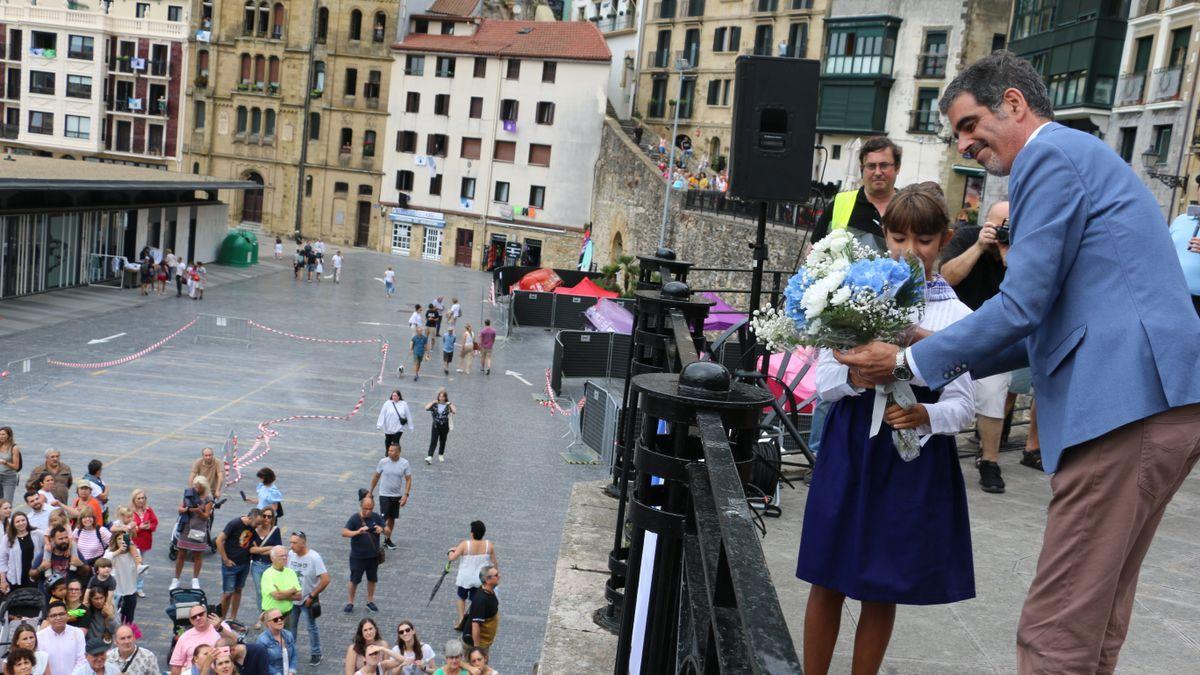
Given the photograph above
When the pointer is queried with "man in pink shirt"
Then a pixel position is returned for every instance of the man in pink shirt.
(206, 630)
(487, 339)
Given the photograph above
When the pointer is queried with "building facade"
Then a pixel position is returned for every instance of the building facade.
(884, 69)
(708, 36)
(1152, 125)
(99, 83)
(293, 97)
(493, 136)
(621, 23)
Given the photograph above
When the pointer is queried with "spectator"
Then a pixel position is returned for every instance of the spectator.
(84, 502)
(280, 643)
(10, 464)
(440, 409)
(394, 416)
(454, 654)
(23, 545)
(22, 662)
(143, 523)
(314, 579)
(125, 559)
(484, 614)
(73, 599)
(39, 512)
(212, 470)
(99, 623)
(448, 341)
(378, 661)
(61, 558)
(415, 657)
(96, 660)
(455, 312)
(415, 319)
(47, 487)
(195, 516)
(131, 659)
(861, 210)
(468, 350)
(102, 579)
(280, 585)
(475, 552)
(63, 644)
(222, 664)
(266, 537)
(99, 488)
(364, 530)
(24, 638)
(337, 267)
(206, 630)
(250, 658)
(233, 544)
(269, 495)
(396, 484)
(366, 635)
(1184, 233)
(477, 662)
(91, 540)
(487, 340)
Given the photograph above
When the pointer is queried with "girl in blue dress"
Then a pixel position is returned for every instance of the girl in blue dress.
(876, 528)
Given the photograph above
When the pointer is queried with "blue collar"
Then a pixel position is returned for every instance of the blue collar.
(937, 289)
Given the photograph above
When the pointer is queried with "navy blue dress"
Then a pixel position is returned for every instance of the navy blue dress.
(878, 528)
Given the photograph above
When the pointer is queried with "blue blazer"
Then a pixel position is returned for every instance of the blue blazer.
(1094, 300)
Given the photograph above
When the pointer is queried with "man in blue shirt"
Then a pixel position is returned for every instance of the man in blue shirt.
(364, 529)
(447, 349)
(1185, 232)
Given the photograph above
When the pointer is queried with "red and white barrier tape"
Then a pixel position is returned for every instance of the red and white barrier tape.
(124, 359)
(552, 404)
(310, 339)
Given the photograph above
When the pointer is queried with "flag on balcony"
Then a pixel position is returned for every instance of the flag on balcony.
(203, 36)
(138, 63)
(135, 104)
(421, 160)
(510, 126)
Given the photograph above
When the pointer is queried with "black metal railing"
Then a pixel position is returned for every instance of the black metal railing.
(802, 216)
(931, 65)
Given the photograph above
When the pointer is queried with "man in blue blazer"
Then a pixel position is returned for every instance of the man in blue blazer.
(1096, 304)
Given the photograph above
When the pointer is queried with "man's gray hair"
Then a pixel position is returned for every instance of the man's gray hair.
(485, 573)
(989, 77)
(50, 450)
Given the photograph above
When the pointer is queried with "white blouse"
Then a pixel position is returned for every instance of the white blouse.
(390, 416)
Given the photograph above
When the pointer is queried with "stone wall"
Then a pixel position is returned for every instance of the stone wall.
(627, 215)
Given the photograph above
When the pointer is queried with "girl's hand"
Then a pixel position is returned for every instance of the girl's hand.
(899, 418)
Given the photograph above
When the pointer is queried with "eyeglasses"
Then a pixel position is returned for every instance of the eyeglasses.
(276, 619)
(881, 166)
(58, 615)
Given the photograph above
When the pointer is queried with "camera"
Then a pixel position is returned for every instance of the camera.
(1002, 232)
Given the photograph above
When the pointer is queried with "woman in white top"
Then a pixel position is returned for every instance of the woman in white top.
(415, 657)
(468, 350)
(394, 417)
(201, 275)
(476, 553)
(19, 547)
(25, 637)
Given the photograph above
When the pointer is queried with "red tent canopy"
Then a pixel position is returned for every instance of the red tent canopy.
(588, 288)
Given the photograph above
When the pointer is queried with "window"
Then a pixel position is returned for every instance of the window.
(719, 39)
(401, 238)
(368, 144)
(545, 112)
(355, 25)
(508, 110)
(42, 41)
(202, 63)
(662, 55)
(406, 141)
(243, 116)
(1162, 142)
(78, 127)
(347, 140)
(341, 188)
(255, 121)
(433, 243)
(1031, 17)
(1068, 88)
(260, 72)
(797, 42)
(81, 47)
(998, 41)
(476, 107)
(198, 113)
(447, 28)
(658, 98)
(436, 144)
(861, 51)
(480, 66)
(537, 196)
(322, 25)
(539, 155)
(1128, 141)
(766, 5)
(372, 86)
(379, 30)
(414, 65)
(506, 151)
(308, 183)
(79, 86)
(248, 14)
(932, 61)
(802, 4)
(404, 180)
(925, 116)
(269, 124)
(687, 97)
(514, 70)
(174, 13)
(691, 47)
(41, 82)
(143, 8)
(412, 102)
(314, 126)
(273, 73)
(501, 193)
(421, 26)
(1141, 59)
(441, 104)
(549, 71)
(318, 78)
(445, 66)
(435, 184)
(41, 122)
(351, 81)
(763, 39)
(470, 148)
(1179, 45)
(714, 92)
(468, 188)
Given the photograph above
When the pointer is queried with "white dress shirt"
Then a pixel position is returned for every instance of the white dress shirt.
(64, 650)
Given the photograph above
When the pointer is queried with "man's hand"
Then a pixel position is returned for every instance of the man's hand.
(403, 500)
(860, 382)
(873, 362)
(987, 236)
(228, 562)
(1194, 244)
(899, 418)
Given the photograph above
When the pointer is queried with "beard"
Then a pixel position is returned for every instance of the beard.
(994, 166)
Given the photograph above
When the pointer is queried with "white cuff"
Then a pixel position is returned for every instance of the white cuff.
(912, 365)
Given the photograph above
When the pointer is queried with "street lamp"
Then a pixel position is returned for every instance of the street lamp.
(681, 64)
(1151, 159)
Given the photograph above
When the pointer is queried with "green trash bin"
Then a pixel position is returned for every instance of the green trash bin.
(240, 249)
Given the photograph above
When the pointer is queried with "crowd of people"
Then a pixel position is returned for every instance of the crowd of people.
(427, 337)
(78, 552)
(155, 275)
(309, 260)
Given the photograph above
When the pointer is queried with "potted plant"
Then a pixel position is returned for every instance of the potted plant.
(201, 81)
(316, 93)
(273, 87)
(243, 86)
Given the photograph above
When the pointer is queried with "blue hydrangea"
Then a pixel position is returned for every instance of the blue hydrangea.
(794, 295)
(877, 275)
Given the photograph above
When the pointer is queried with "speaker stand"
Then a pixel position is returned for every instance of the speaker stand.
(759, 253)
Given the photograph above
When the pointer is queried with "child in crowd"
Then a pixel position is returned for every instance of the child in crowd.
(876, 528)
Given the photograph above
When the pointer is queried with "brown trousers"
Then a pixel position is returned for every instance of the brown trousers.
(1109, 496)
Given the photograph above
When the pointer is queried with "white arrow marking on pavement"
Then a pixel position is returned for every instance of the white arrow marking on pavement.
(110, 337)
(518, 376)
(380, 280)
(376, 323)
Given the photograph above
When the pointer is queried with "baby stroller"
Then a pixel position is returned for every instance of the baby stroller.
(189, 495)
(23, 605)
(180, 606)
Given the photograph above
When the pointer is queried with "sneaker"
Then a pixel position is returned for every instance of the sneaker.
(989, 477)
(387, 543)
(314, 660)
(441, 458)
(429, 460)
(141, 569)
(372, 606)
(195, 584)
(174, 585)
(348, 608)
(445, 371)
(141, 594)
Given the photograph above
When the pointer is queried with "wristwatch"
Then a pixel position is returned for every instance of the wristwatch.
(902, 373)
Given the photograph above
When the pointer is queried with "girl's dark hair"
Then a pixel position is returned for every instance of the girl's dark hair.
(478, 529)
(266, 475)
(397, 393)
(360, 643)
(416, 639)
(18, 655)
(917, 210)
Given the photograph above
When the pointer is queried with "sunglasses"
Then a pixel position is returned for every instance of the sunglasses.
(268, 514)
(193, 617)
(404, 631)
(275, 619)
(300, 533)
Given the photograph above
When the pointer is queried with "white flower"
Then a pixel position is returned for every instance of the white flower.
(840, 296)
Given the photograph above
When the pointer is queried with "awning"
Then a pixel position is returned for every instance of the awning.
(969, 170)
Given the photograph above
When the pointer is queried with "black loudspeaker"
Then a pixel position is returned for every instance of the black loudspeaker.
(774, 128)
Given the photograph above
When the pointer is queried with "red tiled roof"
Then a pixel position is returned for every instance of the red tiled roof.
(573, 40)
(454, 7)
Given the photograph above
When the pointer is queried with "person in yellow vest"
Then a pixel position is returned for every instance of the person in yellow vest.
(861, 210)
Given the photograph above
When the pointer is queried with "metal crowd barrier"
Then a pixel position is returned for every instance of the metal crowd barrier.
(216, 327)
(598, 421)
(23, 377)
(583, 353)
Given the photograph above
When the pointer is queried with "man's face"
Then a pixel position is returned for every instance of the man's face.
(207, 455)
(278, 559)
(298, 545)
(52, 459)
(255, 520)
(991, 138)
(125, 639)
(62, 541)
(879, 171)
(36, 502)
(96, 661)
(365, 508)
(198, 617)
(58, 619)
(393, 452)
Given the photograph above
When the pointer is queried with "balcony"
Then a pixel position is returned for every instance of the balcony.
(373, 103)
(277, 33)
(1165, 84)
(664, 10)
(924, 121)
(10, 131)
(931, 65)
(158, 68)
(1131, 89)
(616, 23)
(344, 157)
(691, 54)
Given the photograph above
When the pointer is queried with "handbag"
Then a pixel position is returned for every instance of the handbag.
(196, 535)
(381, 552)
(314, 610)
(402, 418)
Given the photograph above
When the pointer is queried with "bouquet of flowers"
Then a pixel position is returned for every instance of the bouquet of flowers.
(847, 295)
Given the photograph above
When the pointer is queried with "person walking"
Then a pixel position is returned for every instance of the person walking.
(10, 464)
(364, 530)
(278, 248)
(394, 417)
(468, 350)
(473, 554)
(433, 318)
(448, 341)
(417, 349)
(200, 274)
(233, 545)
(181, 274)
(455, 312)
(440, 409)
(195, 513)
(439, 304)
(389, 282)
(266, 537)
(314, 579)
(487, 340)
(484, 614)
(337, 267)
(415, 319)
(143, 523)
(393, 475)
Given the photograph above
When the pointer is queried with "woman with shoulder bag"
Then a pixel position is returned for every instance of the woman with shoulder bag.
(10, 464)
(194, 513)
(441, 409)
(468, 350)
(394, 416)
